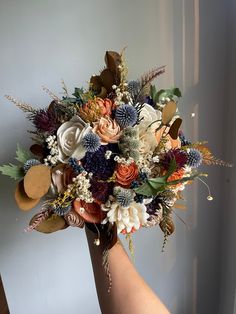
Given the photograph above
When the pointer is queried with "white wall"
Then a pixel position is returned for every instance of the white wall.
(44, 41)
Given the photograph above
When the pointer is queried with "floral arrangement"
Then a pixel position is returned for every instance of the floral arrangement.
(112, 156)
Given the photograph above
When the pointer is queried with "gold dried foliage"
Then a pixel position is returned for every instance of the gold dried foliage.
(23, 106)
(106, 266)
(128, 237)
(123, 68)
(51, 94)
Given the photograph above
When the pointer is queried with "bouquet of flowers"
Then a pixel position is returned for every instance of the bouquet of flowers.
(112, 156)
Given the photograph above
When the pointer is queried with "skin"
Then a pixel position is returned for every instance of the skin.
(129, 292)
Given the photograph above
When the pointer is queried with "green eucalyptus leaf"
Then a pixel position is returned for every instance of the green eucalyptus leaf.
(145, 189)
(157, 182)
(22, 155)
(12, 171)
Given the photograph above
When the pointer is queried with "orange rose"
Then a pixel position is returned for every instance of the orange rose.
(90, 212)
(125, 174)
(108, 130)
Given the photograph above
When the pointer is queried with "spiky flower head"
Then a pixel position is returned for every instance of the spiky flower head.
(194, 158)
(29, 163)
(179, 155)
(126, 115)
(134, 88)
(184, 141)
(91, 142)
(123, 196)
(45, 121)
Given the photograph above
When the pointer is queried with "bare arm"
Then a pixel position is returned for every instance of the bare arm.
(129, 292)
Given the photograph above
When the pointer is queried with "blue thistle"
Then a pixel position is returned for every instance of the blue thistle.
(29, 163)
(194, 158)
(126, 115)
(134, 185)
(123, 196)
(134, 88)
(91, 142)
(61, 210)
(143, 176)
(184, 141)
(139, 198)
(75, 166)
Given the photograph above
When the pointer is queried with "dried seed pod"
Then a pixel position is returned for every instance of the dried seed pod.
(167, 225)
(108, 79)
(174, 129)
(113, 60)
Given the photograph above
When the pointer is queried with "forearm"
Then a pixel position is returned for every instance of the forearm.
(129, 292)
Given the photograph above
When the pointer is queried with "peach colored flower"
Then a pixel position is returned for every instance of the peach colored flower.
(105, 105)
(125, 174)
(90, 212)
(62, 176)
(108, 130)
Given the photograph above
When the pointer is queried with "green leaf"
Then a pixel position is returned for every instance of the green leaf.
(177, 92)
(145, 189)
(12, 171)
(22, 155)
(153, 92)
(78, 92)
(157, 182)
(172, 168)
(168, 93)
(158, 94)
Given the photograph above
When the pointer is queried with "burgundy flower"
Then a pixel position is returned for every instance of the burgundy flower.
(179, 155)
(101, 190)
(45, 121)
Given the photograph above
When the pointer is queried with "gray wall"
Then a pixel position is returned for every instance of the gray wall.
(228, 230)
(44, 41)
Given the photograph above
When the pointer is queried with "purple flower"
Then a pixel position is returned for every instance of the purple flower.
(180, 156)
(96, 162)
(45, 121)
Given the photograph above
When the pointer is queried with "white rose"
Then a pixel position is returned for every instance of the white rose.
(69, 137)
(147, 128)
(149, 115)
